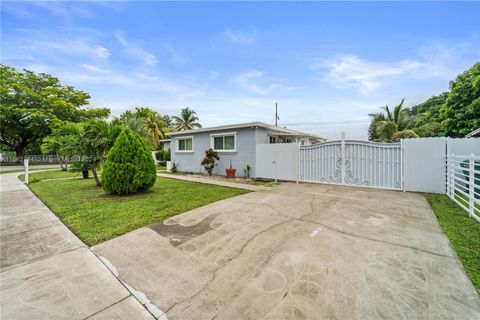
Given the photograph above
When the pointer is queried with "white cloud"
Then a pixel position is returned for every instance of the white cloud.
(76, 47)
(254, 81)
(350, 70)
(135, 49)
(241, 37)
(95, 69)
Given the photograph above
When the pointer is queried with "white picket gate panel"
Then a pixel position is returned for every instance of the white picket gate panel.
(352, 162)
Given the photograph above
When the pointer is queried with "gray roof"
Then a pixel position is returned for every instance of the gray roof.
(474, 133)
(254, 124)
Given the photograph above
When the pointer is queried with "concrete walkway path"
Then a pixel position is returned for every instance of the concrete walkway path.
(46, 272)
(201, 179)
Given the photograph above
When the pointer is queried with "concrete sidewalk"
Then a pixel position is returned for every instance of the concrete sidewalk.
(202, 179)
(46, 272)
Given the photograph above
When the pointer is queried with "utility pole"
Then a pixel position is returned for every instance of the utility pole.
(276, 114)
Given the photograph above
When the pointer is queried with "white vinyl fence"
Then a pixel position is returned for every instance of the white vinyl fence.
(278, 161)
(419, 165)
(424, 161)
(463, 182)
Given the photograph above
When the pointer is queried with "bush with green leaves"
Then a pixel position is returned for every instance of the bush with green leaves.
(209, 161)
(129, 167)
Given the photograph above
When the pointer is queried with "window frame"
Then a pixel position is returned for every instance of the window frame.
(224, 134)
(177, 144)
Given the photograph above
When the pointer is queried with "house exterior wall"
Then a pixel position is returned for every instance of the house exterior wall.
(166, 145)
(246, 140)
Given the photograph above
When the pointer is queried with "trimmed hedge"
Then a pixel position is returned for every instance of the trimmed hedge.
(129, 167)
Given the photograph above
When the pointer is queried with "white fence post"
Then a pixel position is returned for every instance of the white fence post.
(25, 163)
(452, 176)
(449, 174)
(343, 155)
(471, 180)
(402, 179)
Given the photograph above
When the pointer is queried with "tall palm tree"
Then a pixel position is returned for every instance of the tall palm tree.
(187, 120)
(154, 131)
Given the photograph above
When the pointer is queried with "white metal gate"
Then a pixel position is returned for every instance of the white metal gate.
(352, 162)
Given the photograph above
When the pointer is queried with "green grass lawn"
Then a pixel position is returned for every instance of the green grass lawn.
(463, 232)
(160, 167)
(96, 217)
(51, 174)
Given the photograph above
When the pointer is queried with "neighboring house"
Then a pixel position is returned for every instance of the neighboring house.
(474, 133)
(235, 144)
(166, 143)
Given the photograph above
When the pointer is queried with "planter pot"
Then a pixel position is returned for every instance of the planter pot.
(85, 174)
(230, 173)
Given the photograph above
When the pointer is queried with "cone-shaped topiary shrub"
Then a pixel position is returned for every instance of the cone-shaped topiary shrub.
(129, 166)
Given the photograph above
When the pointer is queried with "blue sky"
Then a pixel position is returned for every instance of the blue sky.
(327, 64)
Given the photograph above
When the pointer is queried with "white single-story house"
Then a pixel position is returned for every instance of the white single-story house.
(235, 144)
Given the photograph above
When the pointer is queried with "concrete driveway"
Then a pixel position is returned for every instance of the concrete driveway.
(299, 251)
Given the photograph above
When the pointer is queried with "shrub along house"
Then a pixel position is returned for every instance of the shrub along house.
(235, 144)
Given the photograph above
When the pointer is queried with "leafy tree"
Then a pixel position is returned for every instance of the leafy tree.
(62, 143)
(129, 167)
(187, 120)
(32, 105)
(209, 161)
(167, 155)
(97, 138)
(461, 112)
(427, 116)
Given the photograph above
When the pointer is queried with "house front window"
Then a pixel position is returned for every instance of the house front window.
(185, 144)
(224, 142)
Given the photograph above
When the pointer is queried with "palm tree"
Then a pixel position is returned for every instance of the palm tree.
(136, 124)
(154, 131)
(384, 126)
(187, 120)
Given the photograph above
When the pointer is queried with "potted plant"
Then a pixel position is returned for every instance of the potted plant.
(174, 167)
(230, 171)
(246, 170)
